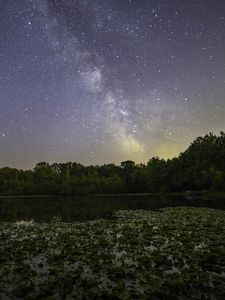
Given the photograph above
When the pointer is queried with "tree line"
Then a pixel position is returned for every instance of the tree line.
(200, 167)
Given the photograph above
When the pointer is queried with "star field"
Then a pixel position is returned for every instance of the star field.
(104, 81)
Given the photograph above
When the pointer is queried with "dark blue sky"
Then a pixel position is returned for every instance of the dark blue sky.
(98, 81)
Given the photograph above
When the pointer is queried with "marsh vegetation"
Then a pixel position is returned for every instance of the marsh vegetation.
(173, 253)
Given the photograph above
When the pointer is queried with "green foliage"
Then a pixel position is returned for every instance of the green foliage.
(174, 253)
(200, 167)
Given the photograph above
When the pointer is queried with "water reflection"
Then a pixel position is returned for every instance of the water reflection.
(44, 209)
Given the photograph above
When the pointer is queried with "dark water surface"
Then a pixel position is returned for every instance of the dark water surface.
(46, 209)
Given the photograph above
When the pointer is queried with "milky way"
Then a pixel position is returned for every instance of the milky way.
(100, 81)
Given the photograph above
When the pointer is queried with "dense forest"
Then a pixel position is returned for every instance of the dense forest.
(200, 167)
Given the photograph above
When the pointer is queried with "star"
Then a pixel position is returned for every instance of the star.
(76, 73)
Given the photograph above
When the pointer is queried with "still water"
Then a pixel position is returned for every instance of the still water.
(46, 209)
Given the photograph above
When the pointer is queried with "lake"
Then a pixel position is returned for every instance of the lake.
(46, 209)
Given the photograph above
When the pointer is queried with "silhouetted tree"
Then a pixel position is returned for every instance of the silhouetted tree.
(200, 167)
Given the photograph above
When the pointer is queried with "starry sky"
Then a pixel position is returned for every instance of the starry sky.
(102, 81)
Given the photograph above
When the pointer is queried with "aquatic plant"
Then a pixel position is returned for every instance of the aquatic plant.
(173, 253)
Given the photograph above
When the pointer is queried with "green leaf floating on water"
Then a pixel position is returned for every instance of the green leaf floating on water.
(174, 253)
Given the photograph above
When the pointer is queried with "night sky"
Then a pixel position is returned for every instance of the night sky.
(102, 81)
